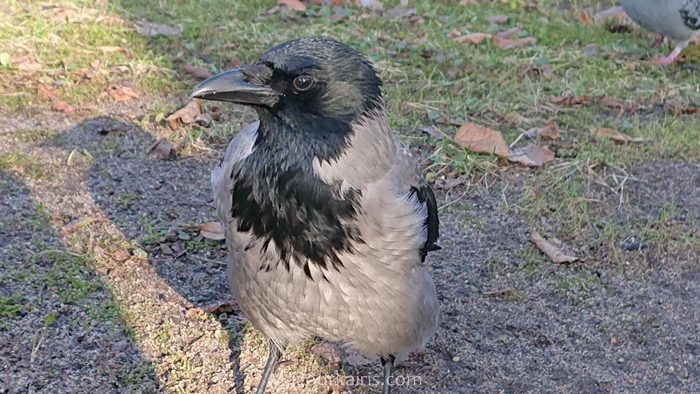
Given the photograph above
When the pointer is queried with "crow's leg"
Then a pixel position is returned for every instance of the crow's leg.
(388, 365)
(273, 357)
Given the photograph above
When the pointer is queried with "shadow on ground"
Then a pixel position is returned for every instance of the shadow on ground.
(60, 328)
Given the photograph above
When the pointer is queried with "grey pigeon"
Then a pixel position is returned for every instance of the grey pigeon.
(677, 19)
(327, 217)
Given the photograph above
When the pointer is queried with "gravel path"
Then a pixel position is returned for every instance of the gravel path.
(104, 281)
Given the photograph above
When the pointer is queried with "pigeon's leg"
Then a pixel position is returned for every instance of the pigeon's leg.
(658, 42)
(273, 356)
(673, 56)
(388, 364)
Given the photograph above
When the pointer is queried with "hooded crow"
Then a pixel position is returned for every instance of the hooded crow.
(327, 217)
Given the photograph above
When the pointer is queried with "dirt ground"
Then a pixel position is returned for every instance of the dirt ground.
(107, 276)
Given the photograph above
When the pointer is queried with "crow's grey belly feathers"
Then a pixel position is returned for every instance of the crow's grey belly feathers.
(378, 299)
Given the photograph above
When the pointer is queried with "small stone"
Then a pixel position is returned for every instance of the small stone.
(455, 359)
(621, 360)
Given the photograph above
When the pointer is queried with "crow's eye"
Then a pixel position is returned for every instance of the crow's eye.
(303, 83)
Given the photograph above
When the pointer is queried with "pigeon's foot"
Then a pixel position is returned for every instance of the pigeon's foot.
(672, 57)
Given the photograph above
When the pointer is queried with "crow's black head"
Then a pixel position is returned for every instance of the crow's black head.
(301, 83)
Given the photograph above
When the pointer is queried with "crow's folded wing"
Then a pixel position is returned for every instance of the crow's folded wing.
(238, 149)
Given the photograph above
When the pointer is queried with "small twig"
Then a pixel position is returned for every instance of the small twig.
(458, 198)
(206, 260)
(622, 193)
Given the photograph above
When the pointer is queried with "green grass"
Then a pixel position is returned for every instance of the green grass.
(23, 165)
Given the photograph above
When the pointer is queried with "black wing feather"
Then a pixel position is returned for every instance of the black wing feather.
(432, 222)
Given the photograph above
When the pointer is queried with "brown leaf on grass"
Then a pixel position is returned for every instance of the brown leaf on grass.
(499, 19)
(551, 250)
(472, 38)
(191, 113)
(197, 72)
(212, 230)
(150, 29)
(531, 155)
(224, 307)
(112, 49)
(295, 5)
(121, 255)
(57, 105)
(512, 33)
(482, 139)
(122, 93)
(532, 71)
(26, 63)
(571, 101)
(162, 150)
(584, 18)
(677, 107)
(612, 102)
(507, 43)
(550, 131)
(46, 92)
(616, 136)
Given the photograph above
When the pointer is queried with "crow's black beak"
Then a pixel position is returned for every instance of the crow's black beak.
(232, 86)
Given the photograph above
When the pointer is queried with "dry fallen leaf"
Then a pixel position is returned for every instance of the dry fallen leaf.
(531, 155)
(150, 29)
(506, 43)
(112, 49)
(571, 101)
(550, 131)
(122, 93)
(57, 104)
(612, 103)
(481, 139)
(473, 38)
(616, 136)
(197, 72)
(512, 33)
(295, 5)
(584, 18)
(551, 250)
(162, 150)
(223, 307)
(212, 230)
(532, 71)
(191, 113)
(26, 63)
